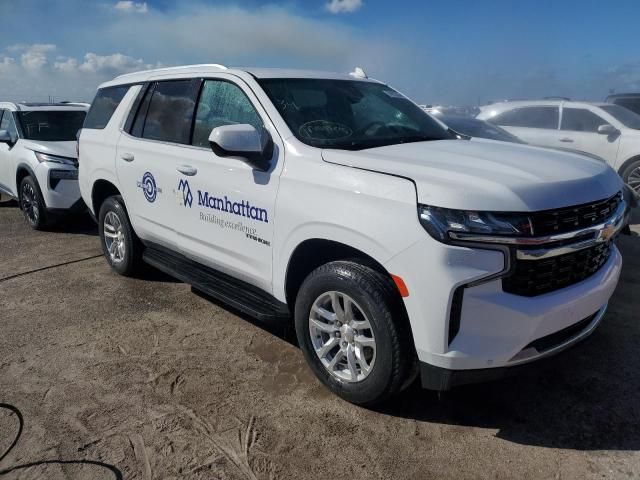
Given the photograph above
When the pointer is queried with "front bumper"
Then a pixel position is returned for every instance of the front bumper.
(463, 317)
(59, 186)
(442, 379)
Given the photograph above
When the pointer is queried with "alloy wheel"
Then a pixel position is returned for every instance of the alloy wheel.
(30, 205)
(114, 238)
(634, 179)
(342, 337)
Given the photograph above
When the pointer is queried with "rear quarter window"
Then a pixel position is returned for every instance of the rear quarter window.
(103, 106)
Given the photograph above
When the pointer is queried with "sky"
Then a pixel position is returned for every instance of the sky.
(466, 52)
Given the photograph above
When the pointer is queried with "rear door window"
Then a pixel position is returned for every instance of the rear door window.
(103, 106)
(170, 113)
(529, 117)
(581, 120)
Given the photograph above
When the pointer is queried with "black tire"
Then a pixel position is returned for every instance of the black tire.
(32, 204)
(626, 172)
(131, 260)
(376, 295)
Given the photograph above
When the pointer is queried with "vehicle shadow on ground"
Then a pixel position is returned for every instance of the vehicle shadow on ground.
(81, 224)
(285, 330)
(50, 468)
(587, 398)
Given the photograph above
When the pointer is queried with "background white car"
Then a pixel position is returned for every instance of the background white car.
(609, 131)
(38, 158)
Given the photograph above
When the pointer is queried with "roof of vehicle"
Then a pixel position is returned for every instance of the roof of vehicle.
(623, 95)
(499, 107)
(204, 69)
(34, 106)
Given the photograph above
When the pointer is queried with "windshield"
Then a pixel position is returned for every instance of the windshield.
(623, 115)
(349, 115)
(478, 128)
(51, 126)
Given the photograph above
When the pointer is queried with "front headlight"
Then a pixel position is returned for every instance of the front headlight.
(47, 157)
(444, 224)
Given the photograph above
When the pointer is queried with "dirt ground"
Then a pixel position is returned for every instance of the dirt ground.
(142, 378)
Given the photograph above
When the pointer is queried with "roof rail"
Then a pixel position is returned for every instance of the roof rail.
(165, 69)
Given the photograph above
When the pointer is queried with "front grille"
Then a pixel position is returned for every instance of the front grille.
(553, 340)
(535, 277)
(574, 218)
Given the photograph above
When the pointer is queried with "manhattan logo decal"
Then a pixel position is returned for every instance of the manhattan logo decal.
(224, 204)
(187, 197)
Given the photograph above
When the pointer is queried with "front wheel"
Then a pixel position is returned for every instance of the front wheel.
(631, 175)
(354, 333)
(32, 204)
(120, 244)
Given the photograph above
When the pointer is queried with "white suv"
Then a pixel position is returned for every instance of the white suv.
(398, 249)
(608, 131)
(38, 158)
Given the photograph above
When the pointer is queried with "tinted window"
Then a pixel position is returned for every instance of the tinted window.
(8, 124)
(581, 120)
(170, 111)
(103, 106)
(350, 115)
(51, 126)
(632, 103)
(222, 103)
(531, 117)
(138, 123)
(623, 115)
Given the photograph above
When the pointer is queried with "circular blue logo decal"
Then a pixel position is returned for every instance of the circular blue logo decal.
(149, 187)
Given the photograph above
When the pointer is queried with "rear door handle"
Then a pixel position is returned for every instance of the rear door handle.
(187, 170)
(127, 157)
(566, 140)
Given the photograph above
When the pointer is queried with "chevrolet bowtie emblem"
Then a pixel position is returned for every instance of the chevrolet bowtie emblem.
(608, 232)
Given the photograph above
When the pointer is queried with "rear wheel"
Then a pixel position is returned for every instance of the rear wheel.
(32, 204)
(354, 333)
(120, 244)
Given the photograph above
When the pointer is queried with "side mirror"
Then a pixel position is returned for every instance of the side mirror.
(607, 129)
(5, 137)
(245, 142)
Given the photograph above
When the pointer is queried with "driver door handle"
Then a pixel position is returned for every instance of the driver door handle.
(127, 157)
(187, 170)
(566, 140)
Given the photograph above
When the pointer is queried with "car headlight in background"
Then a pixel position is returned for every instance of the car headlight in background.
(444, 224)
(47, 157)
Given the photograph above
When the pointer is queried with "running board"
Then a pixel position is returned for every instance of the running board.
(235, 293)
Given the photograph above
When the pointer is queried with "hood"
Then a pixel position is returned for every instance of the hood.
(488, 175)
(64, 149)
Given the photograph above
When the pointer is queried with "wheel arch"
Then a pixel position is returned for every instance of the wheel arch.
(100, 191)
(314, 252)
(24, 170)
(628, 162)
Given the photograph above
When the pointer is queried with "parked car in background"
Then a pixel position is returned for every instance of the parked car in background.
(399, 249)
(606, 130)
(626, 100)
(474, 128)
(38, 158)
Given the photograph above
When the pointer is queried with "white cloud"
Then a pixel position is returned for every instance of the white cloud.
(66, 64)
(33, 56)
(115, 63)
(343, 6)
(131, 7)
(39, 75)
